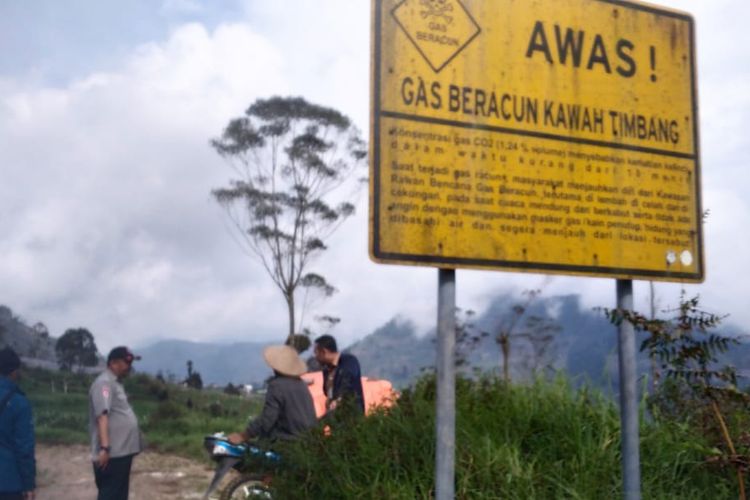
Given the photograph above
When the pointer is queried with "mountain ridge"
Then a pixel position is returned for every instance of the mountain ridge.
(553, 334)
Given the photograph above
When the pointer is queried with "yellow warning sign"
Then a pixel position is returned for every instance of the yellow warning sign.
(555, 136)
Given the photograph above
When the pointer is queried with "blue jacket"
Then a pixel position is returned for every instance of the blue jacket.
(17, 463)
(347, 381)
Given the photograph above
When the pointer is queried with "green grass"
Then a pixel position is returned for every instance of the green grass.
(513, 442)
(169, 424)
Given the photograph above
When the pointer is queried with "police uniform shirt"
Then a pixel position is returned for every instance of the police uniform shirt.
(107, 395)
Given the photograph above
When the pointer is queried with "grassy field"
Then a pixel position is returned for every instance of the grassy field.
(173, 419)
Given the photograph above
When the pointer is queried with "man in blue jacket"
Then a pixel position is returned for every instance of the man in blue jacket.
(17, 462)
(342, 377)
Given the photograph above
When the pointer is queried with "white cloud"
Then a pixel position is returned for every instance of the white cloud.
(106, 192)
(107, 220)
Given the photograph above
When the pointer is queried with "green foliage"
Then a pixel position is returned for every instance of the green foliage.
(289, 157)
(194, 379)
(518, 442)
(232, 389)
(699, 390)
(688, 352)
(167, 412)
(59, 416)
(685, 345)
(300, 341)
(76, 347)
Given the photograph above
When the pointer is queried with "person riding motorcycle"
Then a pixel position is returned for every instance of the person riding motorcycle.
(288, 408)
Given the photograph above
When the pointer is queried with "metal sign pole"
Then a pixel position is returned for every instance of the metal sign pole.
(631, 471)
(445, 459)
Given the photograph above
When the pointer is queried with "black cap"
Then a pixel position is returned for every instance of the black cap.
(123, 353)
(9, 361)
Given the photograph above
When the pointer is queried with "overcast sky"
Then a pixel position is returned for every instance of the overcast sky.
(106, 218)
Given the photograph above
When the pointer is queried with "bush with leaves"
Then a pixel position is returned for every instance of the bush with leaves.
(699, 389)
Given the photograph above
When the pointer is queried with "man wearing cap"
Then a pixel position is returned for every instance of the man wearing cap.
(113, 427)
(288, 409)
(17, 463)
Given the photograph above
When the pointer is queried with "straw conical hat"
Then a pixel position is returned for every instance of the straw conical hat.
(285, 360)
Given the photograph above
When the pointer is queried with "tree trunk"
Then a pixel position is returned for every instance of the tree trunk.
(290, 306)
(505, 348)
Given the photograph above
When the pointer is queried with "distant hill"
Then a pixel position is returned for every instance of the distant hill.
(28, 341)
(239, 363)
(584, 345)
(394, 352)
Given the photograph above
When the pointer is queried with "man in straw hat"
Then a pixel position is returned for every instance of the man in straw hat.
(288, 409)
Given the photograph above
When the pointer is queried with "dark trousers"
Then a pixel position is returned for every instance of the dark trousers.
(11, 496)
(113, 482)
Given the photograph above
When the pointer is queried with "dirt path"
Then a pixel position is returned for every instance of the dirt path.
(64, 473)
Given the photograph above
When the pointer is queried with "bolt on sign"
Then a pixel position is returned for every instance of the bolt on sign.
(556, 136)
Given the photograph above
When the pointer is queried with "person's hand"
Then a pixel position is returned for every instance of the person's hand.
(236, 438)
(103, 459)
(28, 495)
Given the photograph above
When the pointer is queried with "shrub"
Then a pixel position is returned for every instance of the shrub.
(543, 440)
(167, 410)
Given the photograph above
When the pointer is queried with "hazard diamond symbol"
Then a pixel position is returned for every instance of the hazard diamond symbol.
(439, 29)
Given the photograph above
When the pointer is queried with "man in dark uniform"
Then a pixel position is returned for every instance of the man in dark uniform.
(17, 462)
(113, 427)
(342, 377)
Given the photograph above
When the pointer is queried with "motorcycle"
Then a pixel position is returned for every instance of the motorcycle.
(248, 459)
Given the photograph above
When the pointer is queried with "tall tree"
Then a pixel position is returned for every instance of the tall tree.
(39, 339)
(76, 347)
(194, 378)
(6, 318)
(290, 158)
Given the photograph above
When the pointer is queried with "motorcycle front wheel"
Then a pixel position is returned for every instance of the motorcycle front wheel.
(244, 487)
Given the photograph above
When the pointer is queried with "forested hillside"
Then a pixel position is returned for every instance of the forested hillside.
(29, 341)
